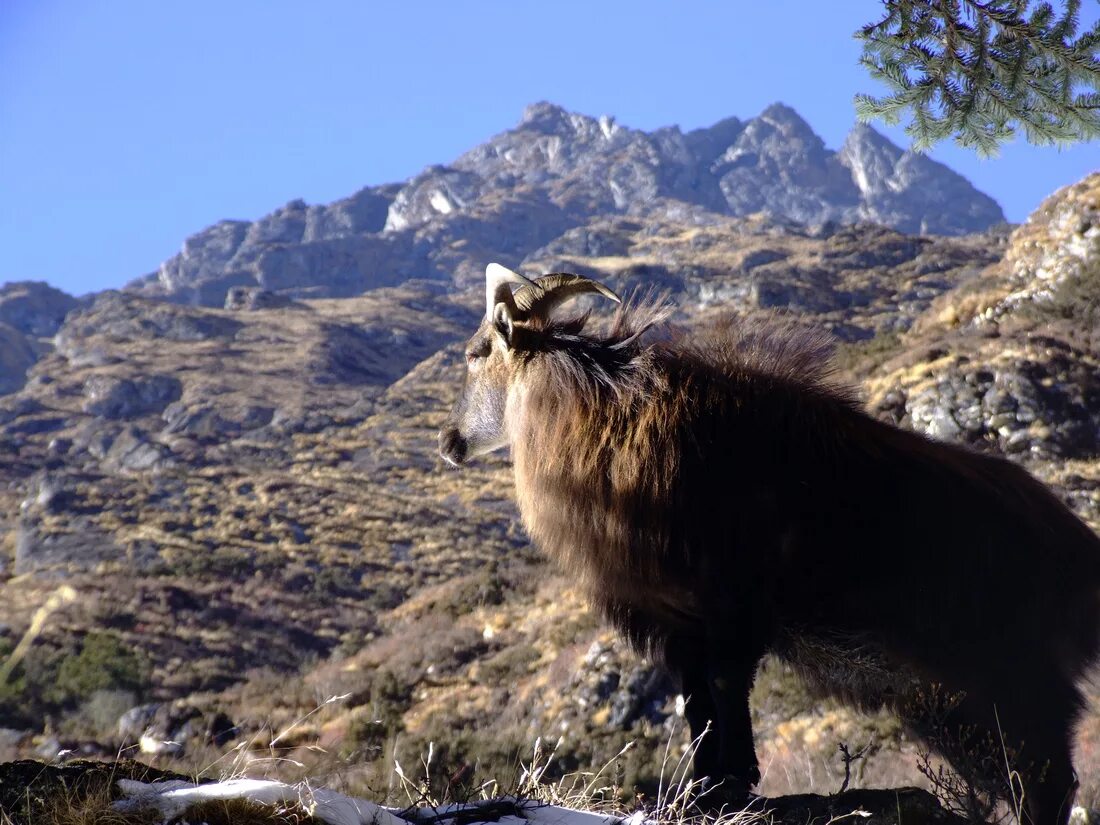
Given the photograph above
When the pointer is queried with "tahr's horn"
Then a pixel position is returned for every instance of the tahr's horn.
(497, 290)
(540, 298)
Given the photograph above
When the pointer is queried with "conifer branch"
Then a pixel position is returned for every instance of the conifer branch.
(980, 70)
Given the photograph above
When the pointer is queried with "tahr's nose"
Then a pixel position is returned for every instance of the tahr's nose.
(452, 446)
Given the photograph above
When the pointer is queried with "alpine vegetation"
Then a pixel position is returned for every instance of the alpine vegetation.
(722, 498)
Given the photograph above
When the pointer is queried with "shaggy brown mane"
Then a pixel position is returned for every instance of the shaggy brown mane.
(773, 347)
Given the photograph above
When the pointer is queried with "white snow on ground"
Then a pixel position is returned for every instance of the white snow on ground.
(171, 800)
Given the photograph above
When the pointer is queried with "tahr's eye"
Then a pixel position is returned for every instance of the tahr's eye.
(476, 354)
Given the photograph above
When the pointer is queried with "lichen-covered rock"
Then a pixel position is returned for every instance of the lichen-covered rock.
(610, 682)
(79, 547)
(111, 396)
(1042, 404)
(1054, 259)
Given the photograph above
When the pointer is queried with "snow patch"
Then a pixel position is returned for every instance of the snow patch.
(441, 203)
(172, 799)
(608, 126)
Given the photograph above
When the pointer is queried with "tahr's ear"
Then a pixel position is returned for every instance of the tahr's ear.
(502, 322)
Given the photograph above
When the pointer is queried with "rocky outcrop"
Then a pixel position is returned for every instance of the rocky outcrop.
(909, 191)
(778, 165)
(173, 727)
(119, 317)
(555, 171)
(30, 312)
(34, 308)
(250, 299)
(110, 396)
(1053, 260)
(1040, 403)
(17, 355)
(1011, 360)
(77, 547)
(1048, 271)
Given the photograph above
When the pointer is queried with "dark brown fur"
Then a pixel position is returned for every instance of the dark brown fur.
(724, 499)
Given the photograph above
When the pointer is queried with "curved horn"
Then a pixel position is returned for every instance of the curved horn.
(550, 290)
(497, 279)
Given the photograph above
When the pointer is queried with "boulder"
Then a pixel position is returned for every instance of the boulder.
(111, 396)
(252, 298)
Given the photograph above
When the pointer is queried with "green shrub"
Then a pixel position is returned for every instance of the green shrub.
(387, 700)
(103, 663)
(24, 697)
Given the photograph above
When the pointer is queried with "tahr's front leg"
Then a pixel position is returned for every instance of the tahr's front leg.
(730, 681)
(687, 661)
(716, 686)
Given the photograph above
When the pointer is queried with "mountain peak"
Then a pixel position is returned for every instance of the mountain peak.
(783, 115)
(863, 136)
(548, 118)
(557, 170)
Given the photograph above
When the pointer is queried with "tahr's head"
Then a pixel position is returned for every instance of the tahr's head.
(510, 333)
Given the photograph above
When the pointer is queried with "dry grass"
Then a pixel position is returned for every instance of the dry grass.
(679, 800)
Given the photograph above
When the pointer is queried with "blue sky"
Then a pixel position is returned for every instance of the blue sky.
(126, 126)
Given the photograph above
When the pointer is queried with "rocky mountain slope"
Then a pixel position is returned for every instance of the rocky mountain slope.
(512, 195)
(553, 172)
(215, 519)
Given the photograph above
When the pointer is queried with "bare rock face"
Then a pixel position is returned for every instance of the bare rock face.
(110, 396)
(34, 308)
(777, 164)
(78, 547)
(555, 171)
(436, 191)
(1010, 361)
(16, 357)
(911, 192)
(1043, 403)
(363, 212)
(1054, 259)
(30, 312)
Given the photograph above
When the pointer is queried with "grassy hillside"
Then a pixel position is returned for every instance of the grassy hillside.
(257, 561)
